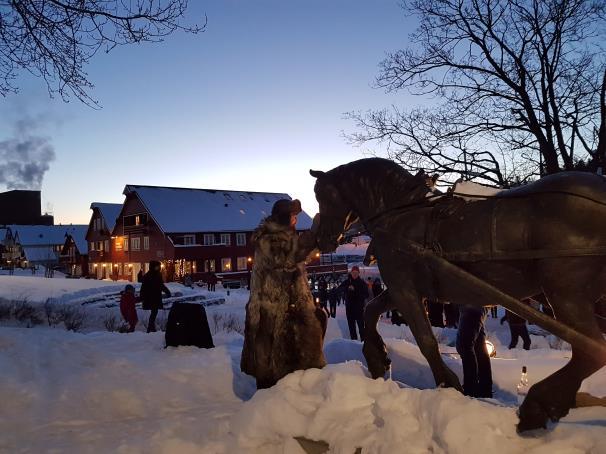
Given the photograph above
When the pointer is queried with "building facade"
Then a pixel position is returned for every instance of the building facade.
(189, 231)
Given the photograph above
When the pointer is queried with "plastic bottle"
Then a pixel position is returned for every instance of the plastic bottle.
(522, 387)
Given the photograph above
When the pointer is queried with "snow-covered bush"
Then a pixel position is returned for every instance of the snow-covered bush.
(5, 309)
(24, 312)
(111, 323)
(227, 322)
(73, 318)
(52, 312)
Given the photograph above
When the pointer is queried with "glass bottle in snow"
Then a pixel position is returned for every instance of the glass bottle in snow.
(522, 387)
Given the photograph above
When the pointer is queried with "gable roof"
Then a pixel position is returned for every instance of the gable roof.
(183, 210)
(109, 211)
(47, 235)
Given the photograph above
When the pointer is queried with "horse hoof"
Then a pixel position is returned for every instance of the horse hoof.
(532, 417)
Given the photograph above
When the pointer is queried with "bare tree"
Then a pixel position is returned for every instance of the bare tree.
(55, 39)
(517, 86)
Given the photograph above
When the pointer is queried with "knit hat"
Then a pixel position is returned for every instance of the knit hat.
(129, 289)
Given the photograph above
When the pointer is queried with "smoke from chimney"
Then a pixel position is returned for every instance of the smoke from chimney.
(25, 157)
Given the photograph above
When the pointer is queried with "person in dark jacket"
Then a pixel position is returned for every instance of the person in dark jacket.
(151, 293)
(140, 276)
(471, 345)
(212, 282)
(323, 294)
(333, 299)
(356, 293)
(517, 329)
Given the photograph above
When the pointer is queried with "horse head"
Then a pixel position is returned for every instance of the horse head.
(336, 215)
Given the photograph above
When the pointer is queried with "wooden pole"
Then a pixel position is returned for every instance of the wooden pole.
(490, 293)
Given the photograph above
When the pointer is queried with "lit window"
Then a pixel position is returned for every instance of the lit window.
(226, 239)
(240, 239)
(225, 265)
(118, 244)
(126, 243)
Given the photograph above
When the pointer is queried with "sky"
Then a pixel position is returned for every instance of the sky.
(251, 104)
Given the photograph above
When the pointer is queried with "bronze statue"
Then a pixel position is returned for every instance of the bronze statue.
(548, 236)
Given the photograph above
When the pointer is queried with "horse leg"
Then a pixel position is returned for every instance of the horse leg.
(414, 313)
(552, 398)
(374, 348)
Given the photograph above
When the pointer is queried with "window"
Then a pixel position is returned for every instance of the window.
(209, 266)
(99, 245)
(135, 243)
(146, 243)
(242, 263)
(227, 196)
(91, 246)
(119, 269)
(126, 243)
(240, 239)
(225, 265)
(209, 239)
(135, 219)
(106, 245)
(118, 244)
(188, 240)
(226, 239)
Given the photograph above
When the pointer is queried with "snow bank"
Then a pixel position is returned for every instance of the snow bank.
(345, 408)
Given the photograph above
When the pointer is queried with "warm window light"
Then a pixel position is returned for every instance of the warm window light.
(317, 254)
(491, 349)
(103, 265)
(95, 265)
(130, 265)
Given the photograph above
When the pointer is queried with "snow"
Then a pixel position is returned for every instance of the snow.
(108, 392)
(209, 210)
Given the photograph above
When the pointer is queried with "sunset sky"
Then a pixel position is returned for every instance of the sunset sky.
(252, 103)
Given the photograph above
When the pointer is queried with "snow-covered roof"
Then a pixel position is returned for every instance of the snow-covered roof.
(109, 211)
(352, 249)
(79, 236)
(40, 254)
(47, 235)
(182, 210)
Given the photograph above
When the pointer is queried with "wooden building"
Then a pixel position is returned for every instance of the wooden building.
(190, 231)
(99, 239)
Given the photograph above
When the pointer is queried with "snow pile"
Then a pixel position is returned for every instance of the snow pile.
(341, 406)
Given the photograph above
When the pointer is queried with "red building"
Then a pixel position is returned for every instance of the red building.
(190, 231)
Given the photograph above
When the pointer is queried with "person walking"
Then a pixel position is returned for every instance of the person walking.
(517, 329)
(285, 328)
(471, 345)
(356, 293)
(151, 293)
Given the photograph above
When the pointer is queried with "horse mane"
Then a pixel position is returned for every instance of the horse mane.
(385, 183)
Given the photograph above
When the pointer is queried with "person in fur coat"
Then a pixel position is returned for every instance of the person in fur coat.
(284, 328)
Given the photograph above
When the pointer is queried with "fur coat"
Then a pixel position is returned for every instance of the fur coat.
(284, 328)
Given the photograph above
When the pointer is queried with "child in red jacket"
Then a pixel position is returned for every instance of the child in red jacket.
(127, 307)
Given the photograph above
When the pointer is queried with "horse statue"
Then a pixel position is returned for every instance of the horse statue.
(546, 237)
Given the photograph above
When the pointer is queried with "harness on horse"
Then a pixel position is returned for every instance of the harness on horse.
(443, 206)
